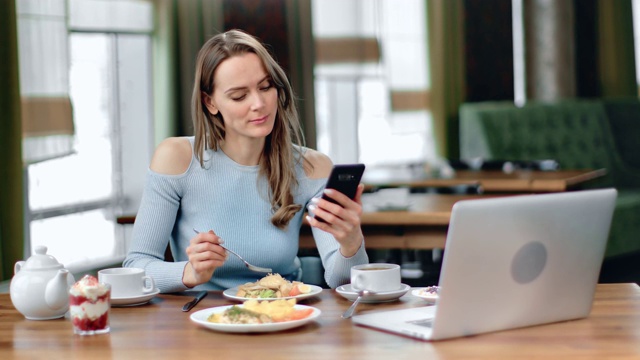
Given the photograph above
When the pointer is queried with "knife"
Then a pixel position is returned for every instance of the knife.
(188, 306)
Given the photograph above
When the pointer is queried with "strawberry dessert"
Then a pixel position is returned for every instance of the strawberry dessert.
(89, 302)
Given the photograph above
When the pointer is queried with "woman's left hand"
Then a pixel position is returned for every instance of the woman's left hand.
(341, 220)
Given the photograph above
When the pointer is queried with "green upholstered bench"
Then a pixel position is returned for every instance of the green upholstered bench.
(578, 134)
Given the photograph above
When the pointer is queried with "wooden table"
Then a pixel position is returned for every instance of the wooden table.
(494, 180)
(161, 330)
(423, 226)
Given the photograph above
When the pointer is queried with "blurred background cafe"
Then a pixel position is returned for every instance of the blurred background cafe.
(441, 99)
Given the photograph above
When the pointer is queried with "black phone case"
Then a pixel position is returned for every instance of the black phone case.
(345, 178)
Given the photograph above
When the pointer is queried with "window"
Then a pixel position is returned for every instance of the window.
(635, 5)
(379, 95)
(73, 200)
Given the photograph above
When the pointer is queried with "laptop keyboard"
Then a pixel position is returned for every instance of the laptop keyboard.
(422, 322)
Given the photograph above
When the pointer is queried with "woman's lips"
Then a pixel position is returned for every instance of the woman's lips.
(259, 120)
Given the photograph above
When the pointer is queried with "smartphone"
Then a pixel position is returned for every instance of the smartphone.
(344, 178)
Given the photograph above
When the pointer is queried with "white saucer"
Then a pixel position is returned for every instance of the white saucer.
(347, 292)
(135, 300)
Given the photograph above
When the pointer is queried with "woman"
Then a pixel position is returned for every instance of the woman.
(244, 180)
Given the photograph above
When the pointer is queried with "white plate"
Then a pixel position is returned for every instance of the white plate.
(135, 300)
(347, 292)
(200, 318)
(231, 294)
(424, 295)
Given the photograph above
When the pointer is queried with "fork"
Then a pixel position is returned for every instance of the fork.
(249, 266)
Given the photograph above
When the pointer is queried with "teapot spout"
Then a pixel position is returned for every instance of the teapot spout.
(56, 293)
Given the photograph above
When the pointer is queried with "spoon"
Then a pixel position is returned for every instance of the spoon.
(361, 294)
(249, 266)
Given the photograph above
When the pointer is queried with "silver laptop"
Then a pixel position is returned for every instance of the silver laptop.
(512, 262)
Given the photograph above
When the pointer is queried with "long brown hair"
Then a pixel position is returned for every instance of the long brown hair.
(279, 154)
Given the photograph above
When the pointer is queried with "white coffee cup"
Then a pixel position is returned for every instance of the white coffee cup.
(376, 277)
(127, 282)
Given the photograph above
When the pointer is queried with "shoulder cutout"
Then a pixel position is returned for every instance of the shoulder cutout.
(321, 163)
(172, 156)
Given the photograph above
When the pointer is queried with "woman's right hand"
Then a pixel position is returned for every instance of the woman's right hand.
(205, 255)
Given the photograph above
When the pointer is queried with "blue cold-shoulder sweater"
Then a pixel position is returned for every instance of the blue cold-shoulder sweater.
(232, 200)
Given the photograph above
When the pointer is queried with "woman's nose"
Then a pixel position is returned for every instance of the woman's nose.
(257, 101)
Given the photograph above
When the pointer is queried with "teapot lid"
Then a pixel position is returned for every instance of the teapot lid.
(41, 260)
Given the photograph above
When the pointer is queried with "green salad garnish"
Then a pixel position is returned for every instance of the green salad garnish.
(266, 293)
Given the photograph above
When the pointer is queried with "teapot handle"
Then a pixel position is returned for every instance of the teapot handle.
(18, 267)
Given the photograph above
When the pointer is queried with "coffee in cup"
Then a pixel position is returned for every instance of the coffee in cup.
(127, 282)
(376, 277)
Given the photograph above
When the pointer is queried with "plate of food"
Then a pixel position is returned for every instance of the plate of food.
(255, 316)
(270, 287)
(427, 293)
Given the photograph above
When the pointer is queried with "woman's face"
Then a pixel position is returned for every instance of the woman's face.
(245, 96)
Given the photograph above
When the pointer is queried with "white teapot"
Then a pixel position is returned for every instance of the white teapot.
(40, 287)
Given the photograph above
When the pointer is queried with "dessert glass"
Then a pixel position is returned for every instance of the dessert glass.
(89, 304)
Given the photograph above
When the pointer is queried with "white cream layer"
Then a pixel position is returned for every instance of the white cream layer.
(89, 310)
(90, 292)
(89, 287)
